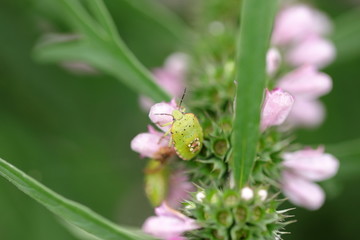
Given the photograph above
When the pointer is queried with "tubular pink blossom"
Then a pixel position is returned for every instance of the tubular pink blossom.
(168, 224)
(311, 164)
(177, 64)
(276, 107)
(314, 50)
(306, 113)
(296, 22)
(273, 59)
(179, 189)
(170, 77)
(170, 81)
(160, 114)
(149, 144)
(302, 192)
(307, 82)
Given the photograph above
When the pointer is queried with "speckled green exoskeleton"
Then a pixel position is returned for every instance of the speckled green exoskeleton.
(186, 133)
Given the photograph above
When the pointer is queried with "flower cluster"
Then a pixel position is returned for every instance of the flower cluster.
(299, 34)
(302, 167)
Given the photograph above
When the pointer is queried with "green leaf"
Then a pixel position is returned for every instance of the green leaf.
(72, 212)
(255, 30)
(101, 46)
(169, 21)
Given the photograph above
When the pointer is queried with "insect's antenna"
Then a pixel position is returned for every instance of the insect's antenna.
(182, 98)
(163, 114)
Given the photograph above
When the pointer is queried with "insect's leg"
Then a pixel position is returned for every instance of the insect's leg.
(170, 141)
(163, 136)
(165, 124)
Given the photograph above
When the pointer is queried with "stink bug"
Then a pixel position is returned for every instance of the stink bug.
(186, 133)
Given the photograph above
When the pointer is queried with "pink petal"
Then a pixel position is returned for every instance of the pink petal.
(302, 192)
(296, 22)
(168, 224)
(170, 81)
(314, 51)
(273, 59)
(306, 113)
(312, 164)
(148, 144)
(145, 103)
(161, 113)
(179, 189)
(306, 82)
(177, 63)
(276, 108)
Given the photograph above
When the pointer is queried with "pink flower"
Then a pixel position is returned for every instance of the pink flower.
(169, 224)
(161, 113)
(302, 192)
(306, 113)
(301, 168)
(170, 77)
(312, 164)
(276, 107)
(151, 144)
(296, 22)
(313, 50)
(273, 59)
(306, 82)
(179, 189)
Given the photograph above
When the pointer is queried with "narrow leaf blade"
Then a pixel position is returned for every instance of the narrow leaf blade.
(72, 212)
(255, 30)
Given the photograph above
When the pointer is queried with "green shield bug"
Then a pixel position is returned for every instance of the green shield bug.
(186, 133)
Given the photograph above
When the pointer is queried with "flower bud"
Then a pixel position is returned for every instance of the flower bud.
(276, 107)
(306, 82)
(262, 193)
(302, 192)
(247, 193)
(168, 224)
(306, 113)
(200, 196)
(273, 59)
(152, 144)
(293, 23)
(161, 113)
(156, 182)
(314, 51)
(311, 164)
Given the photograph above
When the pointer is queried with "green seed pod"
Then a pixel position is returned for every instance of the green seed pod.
(239, 233)
(257, 214)
(226, 125)
(231, 198)
(220, 146)
(156, 181)
(240, 214)
(224, 218)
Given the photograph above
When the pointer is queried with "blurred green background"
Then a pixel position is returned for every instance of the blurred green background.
(73, 132)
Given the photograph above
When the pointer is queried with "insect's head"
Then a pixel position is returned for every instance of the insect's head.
(177, 114)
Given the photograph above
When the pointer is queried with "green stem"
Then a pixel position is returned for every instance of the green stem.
(255, 31)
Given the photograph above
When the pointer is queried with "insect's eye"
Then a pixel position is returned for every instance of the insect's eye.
(182, 109)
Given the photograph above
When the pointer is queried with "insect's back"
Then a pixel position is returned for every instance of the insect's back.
(187, 136)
